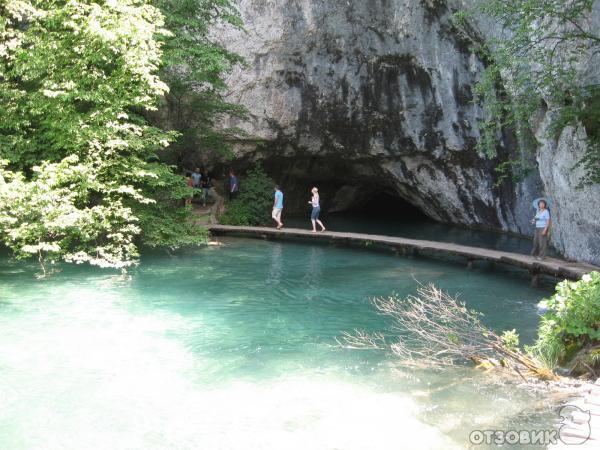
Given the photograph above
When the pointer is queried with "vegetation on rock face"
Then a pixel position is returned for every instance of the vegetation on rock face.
(79, 176)
(539, 62)
(571, 323)
(254, 204)
(194, 67)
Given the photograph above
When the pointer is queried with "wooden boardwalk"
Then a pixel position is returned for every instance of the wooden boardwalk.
(549, 266)
(581, 424)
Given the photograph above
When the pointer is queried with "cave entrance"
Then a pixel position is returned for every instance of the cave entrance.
(355, 195)
(359, 196)
(386, 206)
(380, 212)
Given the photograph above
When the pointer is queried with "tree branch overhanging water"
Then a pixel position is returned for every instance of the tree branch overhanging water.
(438, 330)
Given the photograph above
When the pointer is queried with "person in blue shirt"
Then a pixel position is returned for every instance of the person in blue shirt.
(234, 188)
(542, 223)
(278, 207)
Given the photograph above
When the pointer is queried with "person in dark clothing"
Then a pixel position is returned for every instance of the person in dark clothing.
(206, 184)
(234, 188)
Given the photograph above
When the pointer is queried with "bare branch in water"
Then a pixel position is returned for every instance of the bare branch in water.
(437, 329)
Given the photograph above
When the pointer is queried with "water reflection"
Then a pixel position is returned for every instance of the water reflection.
(276, 267)
(313, 277)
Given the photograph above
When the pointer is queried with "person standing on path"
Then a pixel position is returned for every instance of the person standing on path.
(316, 210)
(278, 207)
(542, 226)
(206, 185)
(196, 177)
(234, 188)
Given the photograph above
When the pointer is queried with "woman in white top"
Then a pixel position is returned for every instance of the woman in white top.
(316, 209)
(542, 224)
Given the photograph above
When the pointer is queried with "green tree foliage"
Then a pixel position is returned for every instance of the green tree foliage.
(79, 175)
(537, 58)
(254, 204)
(194, 70)
(571, 322)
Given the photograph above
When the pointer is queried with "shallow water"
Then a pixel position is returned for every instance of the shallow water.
(235, 348)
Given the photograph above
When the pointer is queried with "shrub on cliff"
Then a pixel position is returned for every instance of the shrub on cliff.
(254, 204)
(571, 323)
(539, 61)
(195, 67)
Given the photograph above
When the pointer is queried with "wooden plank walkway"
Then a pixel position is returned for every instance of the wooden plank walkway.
(581, 425)
(549, 266)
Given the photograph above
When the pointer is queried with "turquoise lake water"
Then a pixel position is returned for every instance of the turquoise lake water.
(234, 347)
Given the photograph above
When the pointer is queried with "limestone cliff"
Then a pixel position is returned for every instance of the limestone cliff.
(362, 96)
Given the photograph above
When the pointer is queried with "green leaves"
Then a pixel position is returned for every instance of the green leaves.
(573, 317)
(80, 180)
(74, 69)
(51, 217)
(194, 68)
(255, 202)
(533, 63)
(510, 339)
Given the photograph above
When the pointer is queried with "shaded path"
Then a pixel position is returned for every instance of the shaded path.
(549, 266)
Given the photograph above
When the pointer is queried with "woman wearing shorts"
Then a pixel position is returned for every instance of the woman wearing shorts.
(316, 210)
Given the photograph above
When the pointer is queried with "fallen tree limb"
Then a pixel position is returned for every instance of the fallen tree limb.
(435, 328)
